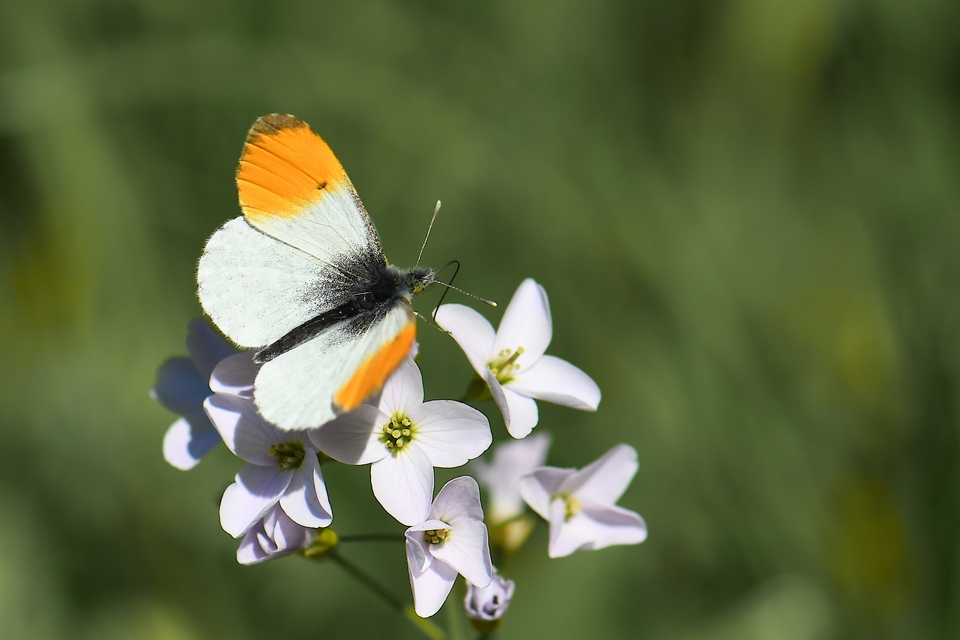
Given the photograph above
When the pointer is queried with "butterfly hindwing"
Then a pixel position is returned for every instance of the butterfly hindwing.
(350, 361)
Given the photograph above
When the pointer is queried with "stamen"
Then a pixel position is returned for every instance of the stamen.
(570, 506)
(398, 433)
(506, 364)
(289, 455)
(435, 536)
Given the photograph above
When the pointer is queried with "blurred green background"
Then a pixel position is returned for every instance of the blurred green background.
(745, 214)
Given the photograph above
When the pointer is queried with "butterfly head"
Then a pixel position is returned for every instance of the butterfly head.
(420, 279)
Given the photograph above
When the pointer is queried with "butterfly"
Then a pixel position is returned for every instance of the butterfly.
(302, 278)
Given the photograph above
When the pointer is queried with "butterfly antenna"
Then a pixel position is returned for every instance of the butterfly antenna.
(449, 286)
(436, 210)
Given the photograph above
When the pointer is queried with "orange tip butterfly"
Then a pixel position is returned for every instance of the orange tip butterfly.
(302, 278)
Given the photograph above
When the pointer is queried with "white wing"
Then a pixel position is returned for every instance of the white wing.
(299, 389)
(255, 288)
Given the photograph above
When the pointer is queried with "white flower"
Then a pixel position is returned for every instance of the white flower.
(403, 439)
(273, 536)
(579, 505)
(182, 386)
(488, 604)
(501, 478)
(282, 468)
(234, 376)
(451, 540)
(512, 361)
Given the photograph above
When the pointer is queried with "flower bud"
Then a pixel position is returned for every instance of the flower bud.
(485, 606)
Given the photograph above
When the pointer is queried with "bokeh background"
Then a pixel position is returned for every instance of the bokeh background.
(746, 214)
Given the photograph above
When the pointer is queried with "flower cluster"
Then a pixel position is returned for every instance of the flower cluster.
(278, 503)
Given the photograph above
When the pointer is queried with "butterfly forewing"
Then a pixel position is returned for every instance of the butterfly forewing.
(294, 189)
(256, 289)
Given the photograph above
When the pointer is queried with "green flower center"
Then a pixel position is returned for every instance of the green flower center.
(505, 365)
(397, 433)
(289, 455)
(436, 536)
(570, 506)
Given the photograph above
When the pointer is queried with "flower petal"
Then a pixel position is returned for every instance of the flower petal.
(275, 535)
(206, 347)
(472, 332)
(403, 483)
(180, 387)
(593, 527)
(520, 413)
(251, 549)
(467, 550)
(459, 498)
(450, 432)
(250, 497)
(235, 375)
(501, 478)
(244, 432)
(416, 548)
(430, 585)
(403, 390)
(604, 480)
(559, 382)
(526, 323)
(305, 500)
(188, 440)
(539, 487)
(353, 438)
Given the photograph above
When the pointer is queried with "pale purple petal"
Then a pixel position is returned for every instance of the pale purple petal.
(430, 586)
(449, 432)
(403, 390)
(459, 498)
(235, 375)
(353, 438)
(467, 550)
(520, 414)
(426, 525)
(496, 392)
(305, 500)
(557, 381)
(206, 347)
(417, 546)
(250, 497)
(501, 478)
(472, 332)
(275, 535)
(526, 323)
(179, 386)
(490, 602)
(593, 527)
(244, 432)
(538, 488)
(604, 480)
(255, 546)
(403, 483)
(188, 440)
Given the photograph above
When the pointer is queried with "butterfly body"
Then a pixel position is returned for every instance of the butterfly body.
(302, 278)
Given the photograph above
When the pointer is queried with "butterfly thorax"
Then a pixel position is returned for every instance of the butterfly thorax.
(388, 286)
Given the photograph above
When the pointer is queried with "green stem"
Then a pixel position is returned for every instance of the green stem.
(361, 576)
(372, 537)
(425, 626)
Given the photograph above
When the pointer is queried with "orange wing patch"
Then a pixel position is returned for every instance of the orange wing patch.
(373, 373)
(285, 167)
